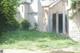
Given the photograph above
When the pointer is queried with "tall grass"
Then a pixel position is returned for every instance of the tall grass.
(33, 39)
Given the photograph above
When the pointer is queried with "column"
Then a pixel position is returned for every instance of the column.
(64, 22)
(57, 24)
(64, 14)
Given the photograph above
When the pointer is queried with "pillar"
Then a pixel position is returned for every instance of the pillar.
(57, 23)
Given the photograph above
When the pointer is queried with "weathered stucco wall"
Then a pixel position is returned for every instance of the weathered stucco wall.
(74, 28)
(30, 11)
(40, 18)
(74, 24)
(35, 12)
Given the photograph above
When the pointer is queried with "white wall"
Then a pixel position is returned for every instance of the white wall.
(34, 12)
(74, 28)
(29, 11)
(20, 13)
(74, 24)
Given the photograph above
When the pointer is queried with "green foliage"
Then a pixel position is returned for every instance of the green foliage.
(25, 25)
(75, 7)
(75, 4)
(35, 40)
(7, 14)
(14, 25)
(35, 28)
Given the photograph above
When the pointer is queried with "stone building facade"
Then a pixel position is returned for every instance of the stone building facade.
(50, 16)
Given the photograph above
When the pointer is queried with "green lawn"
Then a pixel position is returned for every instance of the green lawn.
(35, 40)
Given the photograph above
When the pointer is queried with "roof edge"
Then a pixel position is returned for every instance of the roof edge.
(52, 4)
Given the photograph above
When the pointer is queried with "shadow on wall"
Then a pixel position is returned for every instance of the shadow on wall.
(1, 51)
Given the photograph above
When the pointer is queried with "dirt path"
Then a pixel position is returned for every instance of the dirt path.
(63, 50)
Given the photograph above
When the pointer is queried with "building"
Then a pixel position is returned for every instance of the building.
(50, 15)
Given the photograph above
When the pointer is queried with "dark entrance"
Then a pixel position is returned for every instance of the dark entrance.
(57, 19)
(60, 23)
(54, 22)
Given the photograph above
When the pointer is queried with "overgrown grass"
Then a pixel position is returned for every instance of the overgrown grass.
(34, 40)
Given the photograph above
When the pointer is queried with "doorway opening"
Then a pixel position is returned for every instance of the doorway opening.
(60, 23)
(57, 23)
(54, 23)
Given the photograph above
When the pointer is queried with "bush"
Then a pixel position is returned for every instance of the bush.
(7, 15)
(25, 25)
(35, 28)
(12, 26)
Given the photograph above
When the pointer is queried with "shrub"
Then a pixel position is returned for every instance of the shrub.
(25, 25)
(7, 14)
(35, 28)
(12, 26)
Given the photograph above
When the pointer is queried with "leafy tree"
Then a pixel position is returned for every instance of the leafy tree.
(7, 14)
(75, 6)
